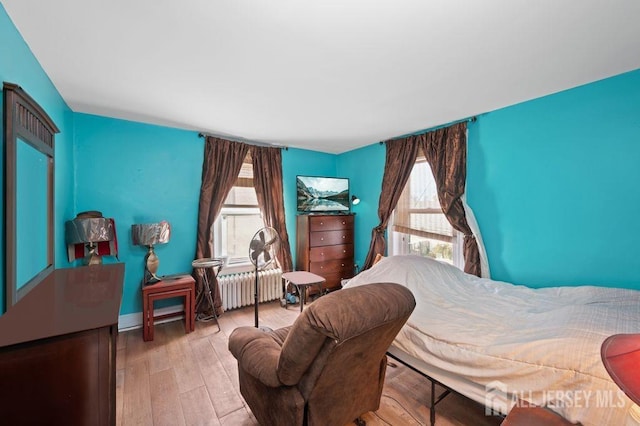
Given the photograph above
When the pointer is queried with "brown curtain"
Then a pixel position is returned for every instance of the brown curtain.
(446, 152)
(222, 162)
(401, 155)
(267, 180)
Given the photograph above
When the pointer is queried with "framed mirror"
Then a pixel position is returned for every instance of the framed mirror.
(28, 193)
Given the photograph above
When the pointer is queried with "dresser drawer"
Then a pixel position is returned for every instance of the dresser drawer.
(320, 254)
(330, 223)
(334, 281)
(332, 266)
(325, 246)
(333, 272)
(330, 238)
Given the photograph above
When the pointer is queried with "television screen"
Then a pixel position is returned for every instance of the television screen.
(322, 194)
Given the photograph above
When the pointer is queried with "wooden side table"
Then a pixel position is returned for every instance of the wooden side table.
(301, 280)
(178, 286)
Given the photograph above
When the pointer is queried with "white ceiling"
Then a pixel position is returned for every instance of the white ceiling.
(326, 75)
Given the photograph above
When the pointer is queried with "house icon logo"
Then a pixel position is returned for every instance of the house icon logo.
(495, 398)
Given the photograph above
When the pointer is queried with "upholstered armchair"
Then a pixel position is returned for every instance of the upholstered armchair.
(328, 367)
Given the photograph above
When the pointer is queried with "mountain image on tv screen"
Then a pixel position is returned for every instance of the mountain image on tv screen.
(322, 194)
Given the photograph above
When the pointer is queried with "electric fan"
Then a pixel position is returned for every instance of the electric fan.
(262, 251)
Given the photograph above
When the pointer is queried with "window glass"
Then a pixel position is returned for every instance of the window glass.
(237, 227)
(241, 196)
(418, 225)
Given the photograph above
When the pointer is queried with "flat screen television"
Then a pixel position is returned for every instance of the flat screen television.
(316, 194)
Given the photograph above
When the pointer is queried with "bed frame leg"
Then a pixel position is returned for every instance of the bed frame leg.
(432, 407)
(434, 399)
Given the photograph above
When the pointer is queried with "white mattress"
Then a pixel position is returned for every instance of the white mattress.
(540, 345)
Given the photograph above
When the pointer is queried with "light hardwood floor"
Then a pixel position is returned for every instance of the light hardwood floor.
(192, 379)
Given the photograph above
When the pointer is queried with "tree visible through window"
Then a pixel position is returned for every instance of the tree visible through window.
(418, 226)
(239, 218)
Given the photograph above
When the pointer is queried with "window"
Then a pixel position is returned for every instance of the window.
(418, 225)
(239, 219)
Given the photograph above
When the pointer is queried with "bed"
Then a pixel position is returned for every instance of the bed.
(498, 343)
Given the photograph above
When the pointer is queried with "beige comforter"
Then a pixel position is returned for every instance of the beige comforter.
(540, 345)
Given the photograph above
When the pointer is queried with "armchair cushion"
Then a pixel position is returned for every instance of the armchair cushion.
(257, 353)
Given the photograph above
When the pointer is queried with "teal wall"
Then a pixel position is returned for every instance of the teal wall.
(158, 178)
(364, 167)
(301, 162)
(552, 181)
(554, 185)
(140, 173)
(19, 66)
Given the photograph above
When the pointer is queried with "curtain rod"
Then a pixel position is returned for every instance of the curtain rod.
(472, 119)
(264, 144)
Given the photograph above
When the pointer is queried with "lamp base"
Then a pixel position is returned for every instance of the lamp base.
(93, 258)
(149, 279)
(151, 263)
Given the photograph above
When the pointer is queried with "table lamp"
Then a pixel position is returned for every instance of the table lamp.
(150, 234)
(89, 231)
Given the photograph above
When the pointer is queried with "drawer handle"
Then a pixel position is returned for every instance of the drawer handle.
(321, 254)
(321, 223)
(322, 267)
(344, 223)
(344, 251)
(321, 238)
(344, 236)
(343, 264)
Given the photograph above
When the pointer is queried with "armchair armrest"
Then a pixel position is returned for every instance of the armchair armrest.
(257, 353)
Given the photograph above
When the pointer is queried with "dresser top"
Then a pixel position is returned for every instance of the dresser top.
(67, 301)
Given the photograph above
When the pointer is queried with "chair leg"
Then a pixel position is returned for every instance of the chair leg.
(360, 422)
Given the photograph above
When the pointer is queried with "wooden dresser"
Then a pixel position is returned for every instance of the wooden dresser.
(58, 349)
(324, 246)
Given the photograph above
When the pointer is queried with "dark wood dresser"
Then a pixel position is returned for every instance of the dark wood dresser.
(324, 246)
(58, 349)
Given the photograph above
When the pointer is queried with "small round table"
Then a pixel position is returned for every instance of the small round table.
(301, 280)
(201, 266)
(621, 357)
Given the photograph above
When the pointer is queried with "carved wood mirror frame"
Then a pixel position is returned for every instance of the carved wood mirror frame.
(26, 127)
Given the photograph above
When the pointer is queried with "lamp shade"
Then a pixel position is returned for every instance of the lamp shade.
(149, 234)
(89, 230)
(621, 358)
